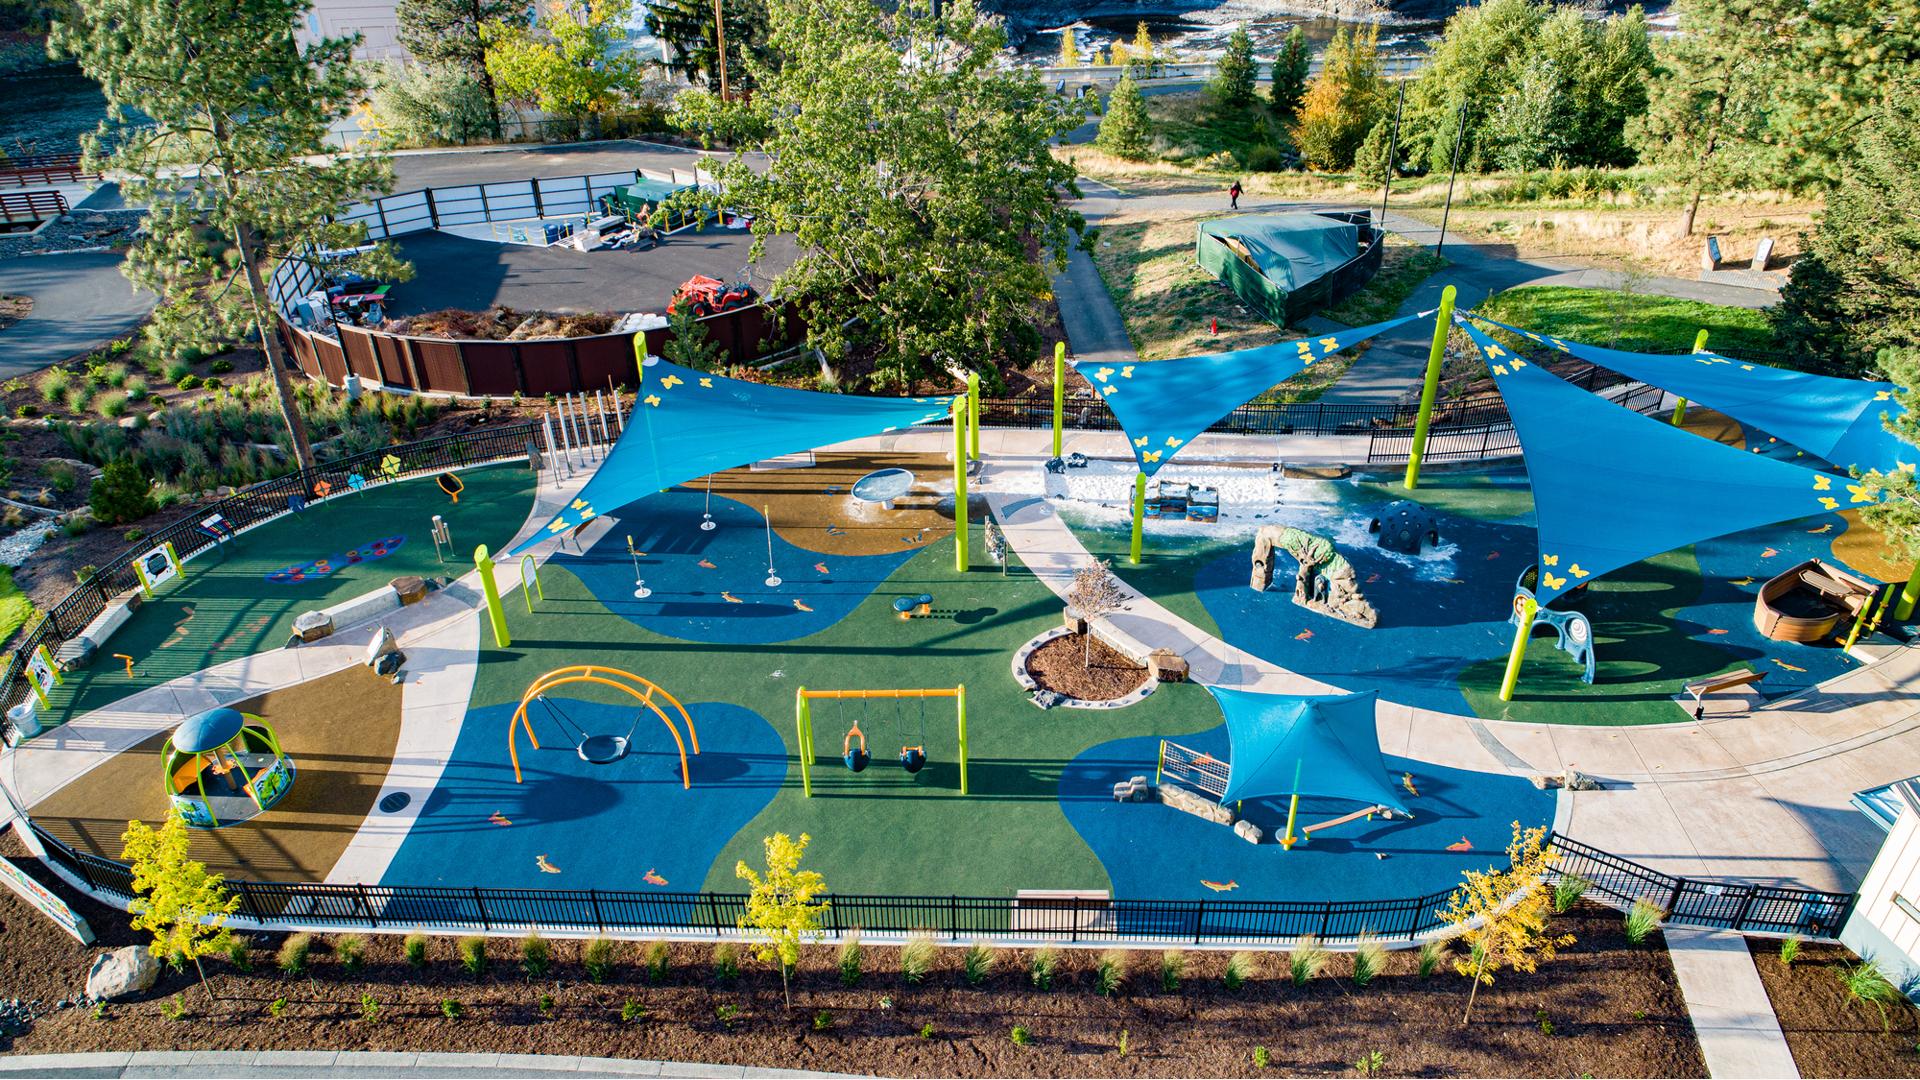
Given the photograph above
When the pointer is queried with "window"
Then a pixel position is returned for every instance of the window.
(1907, 906)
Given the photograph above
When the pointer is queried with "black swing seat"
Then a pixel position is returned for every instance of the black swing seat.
(602, 749)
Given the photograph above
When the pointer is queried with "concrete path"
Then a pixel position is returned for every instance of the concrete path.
(80, 302)
(207, 1064)
(1732, 1016)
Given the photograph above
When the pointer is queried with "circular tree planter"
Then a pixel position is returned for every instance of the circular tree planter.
(1092, 693)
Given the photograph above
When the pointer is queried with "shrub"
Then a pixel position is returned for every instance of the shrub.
(1261, 1059)
(53, 384)
(926, 1030)
(240, 952)
(1265, 157)
(177, 370)
(822, 1020)
(132, 535)
(451, 1009)
(292, 957)
(850, 958)
(1173, 968)
(351, 951)
(122, 494)
(1866, 983)
(726, 962)
(598, 959)
(77, 525)
(977, 963)
(917, 957)
(174, 1008)
(1045, 967)
(659, 961)
(415, 946)
(1642, 920)
(275, 1007)
(473, 954)
(114, 375)
(545, 1003)
(220, 366)
(1020, 1035)
(1567, 892)
(187, 381)
(1240, 968)
(61, 476)
(369, 1008)
(1789, 950)
(112, 406)
(1432, 953)
(1369, 957)
(727, 1013)
(536, 956)
(631, 1010)
(1110, 973)
(1306, 960)
(1543, 1022)
(79, 396)
(137, 389)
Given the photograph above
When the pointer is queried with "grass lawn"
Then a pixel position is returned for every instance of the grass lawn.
(1405, 265)
(1192, 129)
(1631, 321)
(15, 607)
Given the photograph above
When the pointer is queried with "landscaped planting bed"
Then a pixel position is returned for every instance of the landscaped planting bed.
(1830, 1033)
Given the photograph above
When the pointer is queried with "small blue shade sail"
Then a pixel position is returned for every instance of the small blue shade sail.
(689, 424)
(1287, 744)
(1612, 487)
(1837, 420)
(1163, 404)
(208, 730)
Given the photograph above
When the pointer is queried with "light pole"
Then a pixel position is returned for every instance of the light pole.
(720, 44)
(1393, 148)
(1459, 139)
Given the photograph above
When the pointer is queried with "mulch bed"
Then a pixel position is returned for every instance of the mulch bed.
(1061, 666)
(1612, 1010)
(1829, 1034)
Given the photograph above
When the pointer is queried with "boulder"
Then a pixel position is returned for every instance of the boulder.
(1248, 831)
(121, 973)
(312, 625)
(1579, 781)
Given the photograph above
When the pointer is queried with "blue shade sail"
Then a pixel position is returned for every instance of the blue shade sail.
(1837, 420)
(1612, 487)
(1321, 746)
(1163, 404)
(689, 424)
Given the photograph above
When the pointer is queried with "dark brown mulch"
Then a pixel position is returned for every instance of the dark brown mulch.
(1611, 1010)
(1829, 1034)
(1061, 665)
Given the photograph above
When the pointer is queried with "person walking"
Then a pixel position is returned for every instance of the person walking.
(1233, 195)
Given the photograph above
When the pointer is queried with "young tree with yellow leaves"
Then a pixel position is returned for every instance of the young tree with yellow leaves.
(1502, 914)
(180, 902)
(781, 908)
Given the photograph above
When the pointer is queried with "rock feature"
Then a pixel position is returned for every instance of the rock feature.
(1248, 831)
(121, 973)
(1325, 581)
(1198, 805)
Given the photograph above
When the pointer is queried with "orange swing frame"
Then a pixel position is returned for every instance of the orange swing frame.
(598, 673)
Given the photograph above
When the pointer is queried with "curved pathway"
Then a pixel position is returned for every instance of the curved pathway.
(80, 301)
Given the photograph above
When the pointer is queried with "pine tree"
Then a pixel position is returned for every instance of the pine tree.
(1233, 78)
(1502, 915)
(782, 906)
(689, 345)
(687, 28)
(179, 901)
(447, 32)
(1124, 128)
(218, 90)
(1291, 67)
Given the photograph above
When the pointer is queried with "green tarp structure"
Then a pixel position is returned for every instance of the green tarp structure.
(1263, 257)
(640, 197)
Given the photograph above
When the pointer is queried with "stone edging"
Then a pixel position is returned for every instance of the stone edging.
(1027, 683)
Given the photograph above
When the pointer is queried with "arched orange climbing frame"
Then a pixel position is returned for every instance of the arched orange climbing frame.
(644, 692)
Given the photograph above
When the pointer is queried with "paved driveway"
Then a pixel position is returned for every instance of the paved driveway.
(80, 301)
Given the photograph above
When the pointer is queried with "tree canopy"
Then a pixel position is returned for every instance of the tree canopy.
(687, 28)
(1235, 74)
(1343, 102)
(1291, 67)
(568, 65)
(1124, 128)
(447, 34)
(916, 173)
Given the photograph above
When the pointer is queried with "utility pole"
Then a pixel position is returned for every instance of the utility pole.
(1393, 148)
(720, 44)
(1459, 140)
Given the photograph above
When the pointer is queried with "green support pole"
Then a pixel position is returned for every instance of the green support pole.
(960, 696)
(1442, 326)
(1908, 594)
(1059, 392)
(495, 613)
(1519, 653)
(1680, 410)
(1139, 516)
(959, 487)
(803, 733)
(973, 416)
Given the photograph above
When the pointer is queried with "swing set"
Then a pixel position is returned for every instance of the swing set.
(912, 756)
(599, 749)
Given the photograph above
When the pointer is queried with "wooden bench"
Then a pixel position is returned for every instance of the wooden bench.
(1729, 681)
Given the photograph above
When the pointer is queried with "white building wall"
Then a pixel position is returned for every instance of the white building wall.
(1885, 924)
(373, 20)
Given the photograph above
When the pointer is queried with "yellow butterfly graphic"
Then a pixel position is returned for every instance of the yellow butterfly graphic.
(1577, 572)
(1551, 582)
(1822, 483)
(652, 399)
(671, 381)
(1550, 560)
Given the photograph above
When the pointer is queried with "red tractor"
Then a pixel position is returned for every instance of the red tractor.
(709, 296)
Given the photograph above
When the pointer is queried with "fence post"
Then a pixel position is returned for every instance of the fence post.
(246, 900)
(433, 211)
(1673, 901)
(366, 905)
(1073, 928)
(539, 206)
(1199, 920)
(1746, 902)
(593, 898)
(481, 903)
(953, 917)
(713, 911)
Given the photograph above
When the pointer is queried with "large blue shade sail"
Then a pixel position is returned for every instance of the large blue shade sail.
(1838, 420)
(1612, 487)
(1286, 744)
(688, 424)
(1163, 404)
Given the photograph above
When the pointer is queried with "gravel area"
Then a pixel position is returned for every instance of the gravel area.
(80, 230)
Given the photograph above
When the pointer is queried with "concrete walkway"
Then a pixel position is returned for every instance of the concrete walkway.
(80, 302)
(1732, 1016)
(208, 1064)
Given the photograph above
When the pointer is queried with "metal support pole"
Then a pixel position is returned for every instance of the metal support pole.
(959, 485)
(973, 416)
(566, 442)
(1139, 517)
(600, 407)
(496, 614)
(1059, 390)
(559, 465)
(803, 734)
(960, 704)
(1680, 410)
(1459, 140)
(1436, 358)
(1908, 594)
(1393, 148)
(1520, 635)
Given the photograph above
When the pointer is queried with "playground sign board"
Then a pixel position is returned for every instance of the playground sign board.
(48, 904)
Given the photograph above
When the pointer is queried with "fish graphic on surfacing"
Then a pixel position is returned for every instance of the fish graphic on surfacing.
(706, 565)
(545, 866)
(652, 878)
(1220, 886)
(730, 598)
(821, 567)
(801, 606)
(498, 818)
(1406, 781)
(1462, 844)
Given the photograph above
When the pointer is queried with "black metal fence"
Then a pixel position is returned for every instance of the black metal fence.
(321, 906)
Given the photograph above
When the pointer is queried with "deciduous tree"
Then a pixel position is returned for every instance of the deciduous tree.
(177, 900)
(569, 64)
(217, 122)
(1501, 916)
(447, 33)
(783, 909)
(1093, 593)
(1343, 102)
(916, 172)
